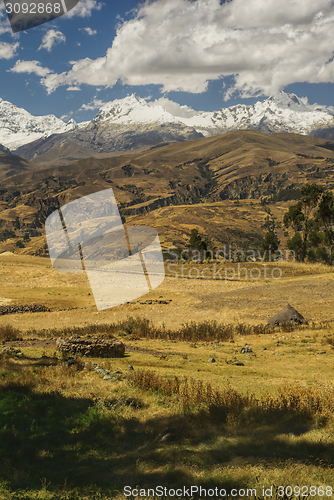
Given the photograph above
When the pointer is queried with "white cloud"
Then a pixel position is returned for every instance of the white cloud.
(52, 38)
(316, 106)
(174, 108)
(73, 88)
(8, 50)
(4, 22)
(84, 8)
(182, 44)
(30, 67)
(88, 31)
(94, 104)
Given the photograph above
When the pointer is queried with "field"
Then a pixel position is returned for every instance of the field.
(176, 419)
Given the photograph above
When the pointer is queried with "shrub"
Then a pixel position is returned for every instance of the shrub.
(8, 332)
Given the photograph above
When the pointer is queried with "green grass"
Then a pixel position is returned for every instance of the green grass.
(66, 434)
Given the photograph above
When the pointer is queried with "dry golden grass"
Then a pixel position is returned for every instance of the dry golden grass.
(25, 279)
(99, 436)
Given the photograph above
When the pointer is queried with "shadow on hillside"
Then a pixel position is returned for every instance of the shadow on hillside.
(50, 439)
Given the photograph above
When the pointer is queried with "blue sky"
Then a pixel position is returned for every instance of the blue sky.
(204, 54)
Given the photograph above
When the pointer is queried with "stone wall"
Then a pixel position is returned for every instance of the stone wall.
(92, 347)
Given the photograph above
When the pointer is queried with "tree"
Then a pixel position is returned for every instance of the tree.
(196, 241)
(197, 245)
(297, 246)
(269, 245)
(300, 218)
(323, 242)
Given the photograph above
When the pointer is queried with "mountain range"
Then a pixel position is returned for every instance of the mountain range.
(133, 123)
(213, 184)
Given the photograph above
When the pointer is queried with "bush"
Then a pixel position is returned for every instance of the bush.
(8, 332)
(292, 403)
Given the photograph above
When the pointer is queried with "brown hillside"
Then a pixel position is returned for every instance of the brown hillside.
(11, 165)
(169, 181)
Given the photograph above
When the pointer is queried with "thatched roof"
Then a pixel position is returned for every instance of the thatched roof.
(287, 315)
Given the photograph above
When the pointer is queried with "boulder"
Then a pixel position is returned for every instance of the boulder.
(287, 315)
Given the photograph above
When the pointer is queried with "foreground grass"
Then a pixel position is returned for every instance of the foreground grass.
(67, 434)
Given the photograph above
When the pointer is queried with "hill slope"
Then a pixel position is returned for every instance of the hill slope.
(11, 165)
(206, 172)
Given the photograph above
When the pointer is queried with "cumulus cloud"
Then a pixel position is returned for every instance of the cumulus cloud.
(84, 8)
(8, 50)
(51, 38)
(94, 104)
(174, 107)
(316, 106)
(88, 31)
(182, 44)
(73, 88)
(30, 67)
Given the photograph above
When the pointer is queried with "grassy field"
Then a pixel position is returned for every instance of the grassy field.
(176, 419)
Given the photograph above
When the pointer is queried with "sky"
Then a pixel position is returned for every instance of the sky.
(198, 54)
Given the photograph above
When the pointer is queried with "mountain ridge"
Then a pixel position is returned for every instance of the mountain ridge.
(190, 181)
(133, 123)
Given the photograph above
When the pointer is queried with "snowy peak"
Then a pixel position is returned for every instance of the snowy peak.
(18, 127)
(288, 101)
(133, 109)
(282, 112)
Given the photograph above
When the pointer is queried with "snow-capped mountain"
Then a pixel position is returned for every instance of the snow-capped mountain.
(133, 122)
(18, 127)
(280, 113)
(133, 109)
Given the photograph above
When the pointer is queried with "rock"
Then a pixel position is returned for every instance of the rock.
(231, 341)
(287, 315)
(70, 361)
(321, 352)
(211, 360)
(280, 354)
(107, 377)
(238, 363)
(130, 367)
(165, 436)
(101, 371)
(245, 349)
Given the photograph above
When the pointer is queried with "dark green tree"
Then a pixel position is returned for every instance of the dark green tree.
(321, 239)
(269, 245)
(300, 218)
(297, 246)
(196, 241)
